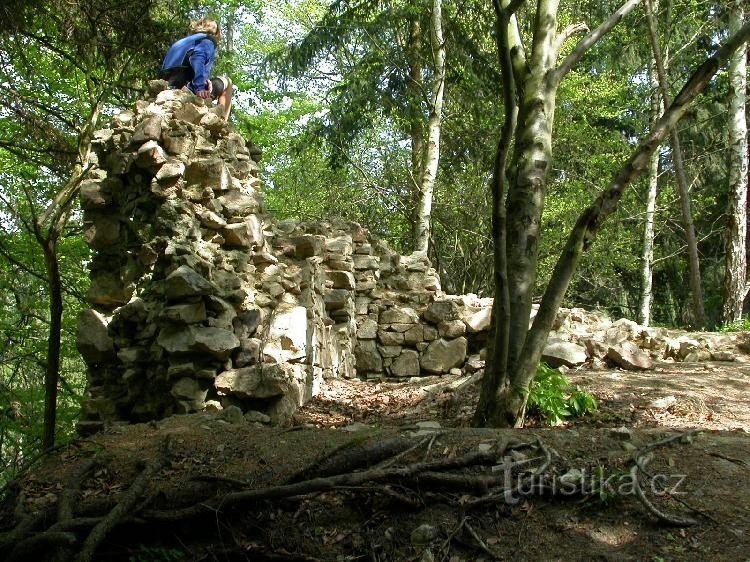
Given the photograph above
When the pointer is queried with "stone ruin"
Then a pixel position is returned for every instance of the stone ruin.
(201, 300)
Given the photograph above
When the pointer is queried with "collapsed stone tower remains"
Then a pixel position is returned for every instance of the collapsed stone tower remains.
(200, 299)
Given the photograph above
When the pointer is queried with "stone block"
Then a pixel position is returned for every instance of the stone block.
(188, 313)
(103, 232)
(414, 334)
(440, 311)
(341, 280)
(367, 357)
(386, 337)
(185, 282)
(150, 156)
(308, 246)
(398, 315)
(214, 342)
(246, 234)
(237, 204)
(249, 352)
(147, 130)
(365, 262)
(442, 355)
(569, 354)
(287, 336)
(629, 356)
(337, 299)
(340, 246)
(390, 351)
(93, 340)
(406, 364)
(451, 328)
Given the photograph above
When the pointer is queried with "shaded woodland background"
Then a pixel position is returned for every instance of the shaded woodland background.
(340, 96)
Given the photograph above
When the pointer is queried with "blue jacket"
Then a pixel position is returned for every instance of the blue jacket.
(200, 53)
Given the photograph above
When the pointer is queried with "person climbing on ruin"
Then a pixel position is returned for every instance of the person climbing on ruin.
(189, 61)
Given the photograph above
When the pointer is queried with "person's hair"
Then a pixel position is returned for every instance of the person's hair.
(209, 27)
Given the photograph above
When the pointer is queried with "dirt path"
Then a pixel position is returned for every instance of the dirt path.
(675, 395)
(713, 396)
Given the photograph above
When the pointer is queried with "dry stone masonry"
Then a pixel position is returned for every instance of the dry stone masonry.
(200, 300)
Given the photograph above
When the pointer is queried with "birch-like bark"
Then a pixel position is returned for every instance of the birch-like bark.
(528, 174)
(735, 267)
(696, 290)
(647, 257)
(416, 126)
(512, 401)
(536, 80)
(432, 156)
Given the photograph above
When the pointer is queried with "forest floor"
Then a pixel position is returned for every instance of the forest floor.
(391, 471)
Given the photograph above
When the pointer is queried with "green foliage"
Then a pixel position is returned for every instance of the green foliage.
(552, 397)
(742, 325)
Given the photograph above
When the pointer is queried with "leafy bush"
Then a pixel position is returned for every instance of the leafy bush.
(552, 397)
(742, 325)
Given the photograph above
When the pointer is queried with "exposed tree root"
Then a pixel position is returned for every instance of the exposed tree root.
(120, 511)
(499, 474)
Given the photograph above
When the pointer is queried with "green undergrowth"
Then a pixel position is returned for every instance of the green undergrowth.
(553, 398)
(742, 325)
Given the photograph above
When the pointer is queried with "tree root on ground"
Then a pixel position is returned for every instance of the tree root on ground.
(502, 473)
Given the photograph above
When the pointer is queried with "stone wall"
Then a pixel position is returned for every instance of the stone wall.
(200, 299)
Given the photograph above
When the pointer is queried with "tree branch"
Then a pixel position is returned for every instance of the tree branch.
(591, 39)
(589, 223)
(567, 33)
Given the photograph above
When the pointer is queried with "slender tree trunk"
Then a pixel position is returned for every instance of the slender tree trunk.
(496, 372)
(432, 155)
(52, 373)
(682, 183)
(416, 127)
(230, 24)
(507, 404)
(735, 272)
(47, 230)
(528, 175)
(647, 258)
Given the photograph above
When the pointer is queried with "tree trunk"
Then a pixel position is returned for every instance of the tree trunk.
(699, 314)
(528, 175)
(504, 405)
(496, 371)
(647, 258)
(230, 24)
(52, 372)
(735, 271)
(517, 229)
(416, 127)
(432, 155)
(47, 230)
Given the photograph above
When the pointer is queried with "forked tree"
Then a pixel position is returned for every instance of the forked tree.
(532, 75)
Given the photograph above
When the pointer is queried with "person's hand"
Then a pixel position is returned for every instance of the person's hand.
(206, 94)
